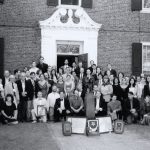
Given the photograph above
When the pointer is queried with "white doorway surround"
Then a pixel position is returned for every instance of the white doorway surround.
(72, 25)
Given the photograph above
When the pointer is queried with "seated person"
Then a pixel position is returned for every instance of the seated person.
(39, 108)
(76, 104)
(146, 117)
(61, 107)
(9, 111)
(100, 105)
(132, 109)
(114, 108)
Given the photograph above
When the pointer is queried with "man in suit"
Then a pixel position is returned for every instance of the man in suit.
(12, 88)
(61, 107)
(5, 80)
(78, 69)
(132, 109)
(26, 96)
(147, 87)
(100, 105)
(42, 66)
(112, 71)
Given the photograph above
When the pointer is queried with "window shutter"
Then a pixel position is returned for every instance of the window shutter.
(87, 3)
(52, 2)
(1, 1)
(136, 5)
(1, 57)
(136, 58)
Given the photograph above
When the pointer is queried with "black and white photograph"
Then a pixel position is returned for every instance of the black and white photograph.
(74, 74)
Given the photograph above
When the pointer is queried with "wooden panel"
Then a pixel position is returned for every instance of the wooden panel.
(136, 5)
(84, 59)
(136, 58)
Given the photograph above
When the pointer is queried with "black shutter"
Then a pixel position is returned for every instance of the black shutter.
(136, 58)
(1, 57)
(136, 5)
(69, 2)
(1, 1)
(87, 3)
(52, 2)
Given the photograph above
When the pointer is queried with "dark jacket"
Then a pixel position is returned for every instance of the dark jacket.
(58, 104)
(146, 90)
(42, 67)
(28, 89)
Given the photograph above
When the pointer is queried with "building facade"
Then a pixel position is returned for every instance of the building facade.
(122, 39)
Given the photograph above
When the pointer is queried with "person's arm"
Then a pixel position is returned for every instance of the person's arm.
(81, 105)
(3, 113)
(15, 114)
(110, 89)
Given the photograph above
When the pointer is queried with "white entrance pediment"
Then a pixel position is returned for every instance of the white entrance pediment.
(67, 24)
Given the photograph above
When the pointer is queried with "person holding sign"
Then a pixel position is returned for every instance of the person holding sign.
(40, 108)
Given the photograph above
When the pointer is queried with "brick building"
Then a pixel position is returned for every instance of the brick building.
(123, 39)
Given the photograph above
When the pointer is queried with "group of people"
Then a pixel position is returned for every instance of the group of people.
(46, 93)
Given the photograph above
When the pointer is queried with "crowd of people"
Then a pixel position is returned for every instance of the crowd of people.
(46, 93)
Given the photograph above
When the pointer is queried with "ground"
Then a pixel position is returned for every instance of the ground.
(49, 136)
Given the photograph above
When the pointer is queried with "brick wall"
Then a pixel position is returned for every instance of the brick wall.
(120, 28)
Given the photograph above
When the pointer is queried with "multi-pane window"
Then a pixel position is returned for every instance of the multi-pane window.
(69, 2)
(146, 5)
(146, 58)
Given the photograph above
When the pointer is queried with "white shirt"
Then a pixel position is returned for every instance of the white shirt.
(97, 103)
(23, 86)
(51, 99)
(62, 105)
(34, 70)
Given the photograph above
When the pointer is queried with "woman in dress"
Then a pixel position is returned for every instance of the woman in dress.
(34, 68)
(120, 76)
(116, 88)
(132, 86)
(43, 86)
(9, 111)
(106, 89)
(69, 84)
(54, 75)
(60, 84)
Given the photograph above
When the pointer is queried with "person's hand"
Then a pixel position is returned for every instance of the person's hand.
(114, 111)
(68, 112)
(24, 94)
(100, 109)
(60, 110)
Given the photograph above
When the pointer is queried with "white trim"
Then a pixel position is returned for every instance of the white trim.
(69, 6)
(144, 44)
(144, 10)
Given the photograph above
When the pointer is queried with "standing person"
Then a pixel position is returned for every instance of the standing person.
(42, 66)
(61, 107)
(88, 81)
(99, 81)
(49, 71)
(74, 66)
(116, 88)
(1, 90)
(120, 76)
(60, 72)
(91, 66)
(132, 109)
(39, 109)
(132, 86)
(26, 94)
(106, 89)
(43, 86)
(34, 68)
(66, 64)
(60, 84)
(5, 80)
(76, 79)
(69, 84)
(51, 100)
(112, 71)
(54, 76)
(147, 87)
(12, 88)
(9, 111)
(78, 69)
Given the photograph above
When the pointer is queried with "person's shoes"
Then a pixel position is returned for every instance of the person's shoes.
(14, 122)
(34, 121)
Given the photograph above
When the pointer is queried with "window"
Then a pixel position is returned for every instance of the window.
(146, 58)
(146, 6)
(69, 2)
(1, 1)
